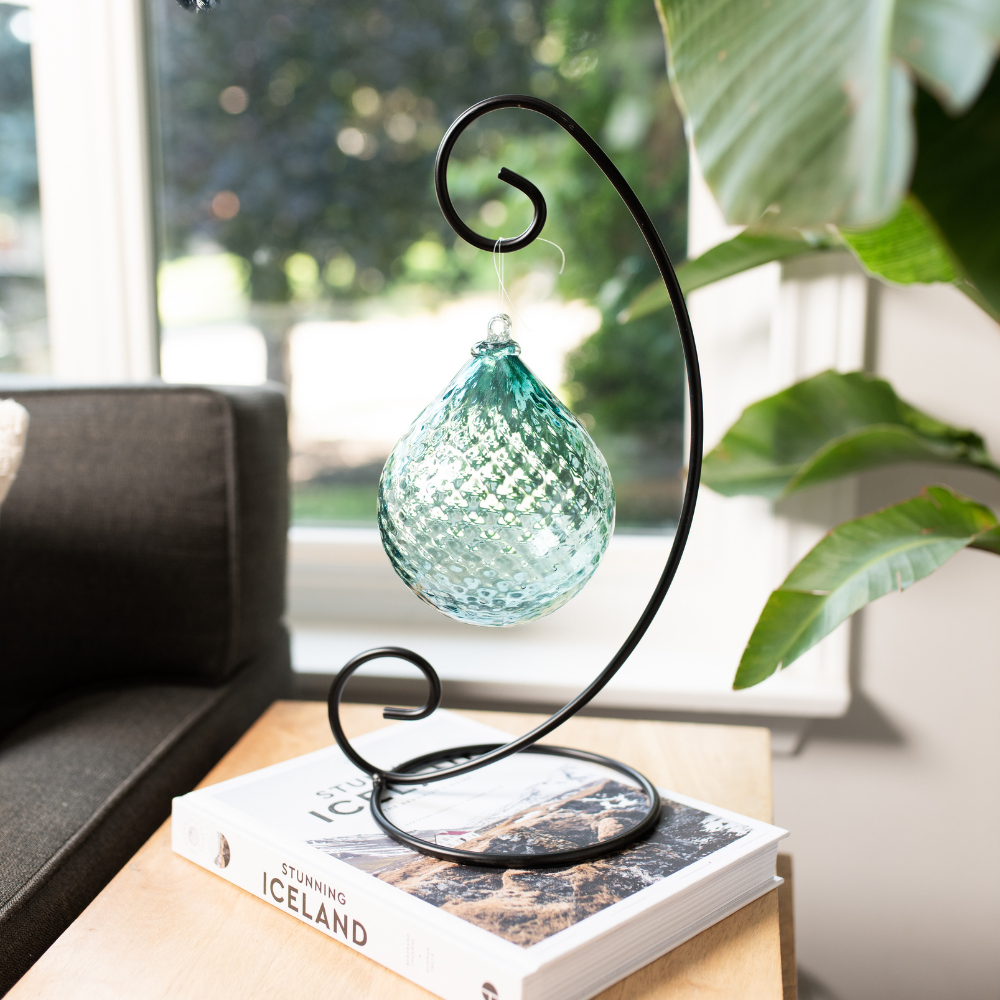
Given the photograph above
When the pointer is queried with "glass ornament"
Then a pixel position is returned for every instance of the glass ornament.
(496, 506)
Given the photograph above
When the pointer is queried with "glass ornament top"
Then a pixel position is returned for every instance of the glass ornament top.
(496, 506)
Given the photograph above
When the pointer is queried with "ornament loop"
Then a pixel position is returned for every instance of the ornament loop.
(498, 336)
(409, 714)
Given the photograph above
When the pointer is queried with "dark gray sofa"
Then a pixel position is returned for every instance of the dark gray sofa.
(142, 568)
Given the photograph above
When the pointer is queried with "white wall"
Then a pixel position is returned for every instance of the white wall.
(894, 808)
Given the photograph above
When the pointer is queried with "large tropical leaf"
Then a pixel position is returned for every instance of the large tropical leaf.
(800, 110)
(956, 181)
(828, 426)
(948, 228)
(906, 249)
(955, 236)
(950, 45)
(796, 109)
(857, 563)
(749, 249)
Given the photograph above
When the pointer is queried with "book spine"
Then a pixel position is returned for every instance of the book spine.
(287, 880)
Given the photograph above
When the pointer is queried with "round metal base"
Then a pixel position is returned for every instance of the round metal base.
(540, 860)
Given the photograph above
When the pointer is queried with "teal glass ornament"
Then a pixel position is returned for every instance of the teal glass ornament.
(496, 506)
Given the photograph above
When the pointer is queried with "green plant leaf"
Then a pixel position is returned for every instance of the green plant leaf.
(988, 541)
(955, 237)
(906, 249)
(956, 167)
(956, 181)
(828, 426)
(959, 242)
(796, 108)
(800, 110)
(951, 46)
(856, 563)
(750, 248)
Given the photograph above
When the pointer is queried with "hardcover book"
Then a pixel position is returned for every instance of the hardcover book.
(300, 836)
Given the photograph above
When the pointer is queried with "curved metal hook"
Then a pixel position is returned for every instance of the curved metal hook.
(411, 714)
(507, 176)
(696, 444)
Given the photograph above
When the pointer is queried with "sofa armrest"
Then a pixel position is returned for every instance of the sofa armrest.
(144, 537)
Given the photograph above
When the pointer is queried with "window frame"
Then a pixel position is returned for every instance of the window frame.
(92, 126)
(92, 107)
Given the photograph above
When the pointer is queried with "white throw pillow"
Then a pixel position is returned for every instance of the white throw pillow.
(13, 429)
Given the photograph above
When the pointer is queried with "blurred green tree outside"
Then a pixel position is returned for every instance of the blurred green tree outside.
(300, 135)
(19, 164)
(23, 340)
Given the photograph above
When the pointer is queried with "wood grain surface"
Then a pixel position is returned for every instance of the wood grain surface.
(166, 928)
(786, 923)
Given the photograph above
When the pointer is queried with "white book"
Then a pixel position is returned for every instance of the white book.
(300, 836)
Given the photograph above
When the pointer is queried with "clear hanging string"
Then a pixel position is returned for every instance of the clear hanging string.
(502, 293)
(562, 266)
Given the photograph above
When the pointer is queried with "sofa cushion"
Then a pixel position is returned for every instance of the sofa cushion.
(144, 537)
(84, 783)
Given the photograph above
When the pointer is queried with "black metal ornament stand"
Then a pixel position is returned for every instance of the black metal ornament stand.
(471, 758)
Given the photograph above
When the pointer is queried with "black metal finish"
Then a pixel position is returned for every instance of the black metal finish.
(404, 774)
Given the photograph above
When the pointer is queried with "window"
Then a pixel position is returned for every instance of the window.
(24, 343)
(322, 151)
(301, 240)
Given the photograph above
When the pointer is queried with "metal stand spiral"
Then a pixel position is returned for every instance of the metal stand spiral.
(471, 758)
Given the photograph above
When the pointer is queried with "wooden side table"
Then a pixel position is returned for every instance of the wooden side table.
(166, 928)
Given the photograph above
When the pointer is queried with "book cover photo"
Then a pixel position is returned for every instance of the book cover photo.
(570, 806)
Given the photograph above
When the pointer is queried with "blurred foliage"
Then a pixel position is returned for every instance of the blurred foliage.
(382, 81)
(323, 118)
(630, 378)
(23, 330)
(780, 139)
(305, 71)
(18, 163)
(326, 503)
(955, 180)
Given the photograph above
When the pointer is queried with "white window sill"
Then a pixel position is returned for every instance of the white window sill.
(344, 598)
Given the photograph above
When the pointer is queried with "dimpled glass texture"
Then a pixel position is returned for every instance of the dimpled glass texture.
(496, 506)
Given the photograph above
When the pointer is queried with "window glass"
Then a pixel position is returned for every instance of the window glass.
(23, 332)
(300, 239)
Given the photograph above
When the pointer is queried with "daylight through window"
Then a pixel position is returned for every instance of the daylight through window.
(301, 241)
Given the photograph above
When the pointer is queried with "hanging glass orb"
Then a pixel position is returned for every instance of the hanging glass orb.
(496, 506)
